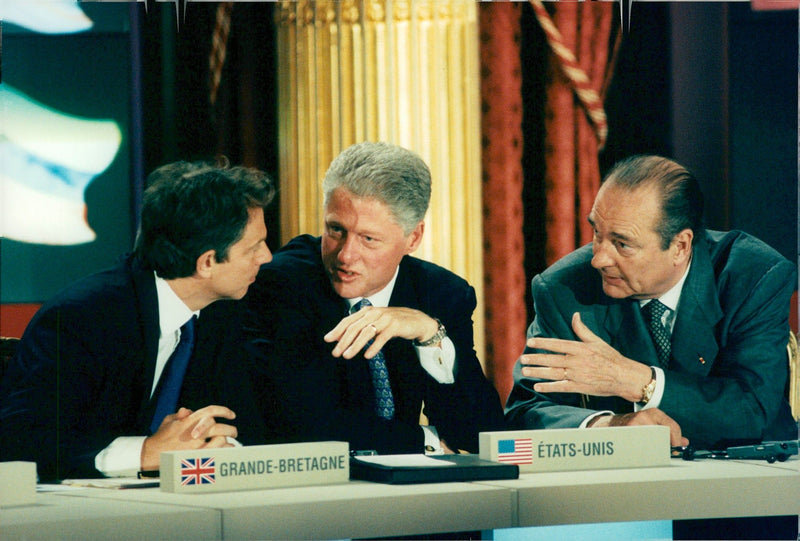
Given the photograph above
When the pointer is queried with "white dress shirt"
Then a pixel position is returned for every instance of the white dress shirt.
(122, 457)
(439, 361)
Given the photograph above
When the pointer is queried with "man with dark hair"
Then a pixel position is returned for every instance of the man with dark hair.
(96, 387)
(357, 335)
(659, 321)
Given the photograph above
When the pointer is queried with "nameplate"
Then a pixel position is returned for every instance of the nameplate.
(566, 449)
(17, 483)
(255, 467)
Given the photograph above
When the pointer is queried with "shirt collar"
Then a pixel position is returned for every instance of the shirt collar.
(172, 311)
(670, 298)
(382, 297)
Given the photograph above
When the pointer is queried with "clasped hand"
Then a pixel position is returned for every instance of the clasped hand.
(188, 429)
(379, 325)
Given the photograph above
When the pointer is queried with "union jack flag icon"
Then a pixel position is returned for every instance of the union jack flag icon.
(198, 471)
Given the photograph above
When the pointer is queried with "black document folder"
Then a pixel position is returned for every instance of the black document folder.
(457, 468)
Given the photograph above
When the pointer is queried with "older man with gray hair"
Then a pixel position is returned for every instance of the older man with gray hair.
(356, 337)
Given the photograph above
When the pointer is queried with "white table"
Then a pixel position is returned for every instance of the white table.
(353, 509)
(681, 490)
(57, 517)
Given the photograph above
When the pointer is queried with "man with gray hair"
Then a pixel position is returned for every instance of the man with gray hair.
(357, 338)
(659, 321)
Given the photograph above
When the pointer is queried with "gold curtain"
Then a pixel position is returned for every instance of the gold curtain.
(403, 71)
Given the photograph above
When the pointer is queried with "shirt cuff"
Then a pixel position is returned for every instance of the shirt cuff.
(439, 362)
(433, 445)
(122, 458)
(586, 421)
(658, 392)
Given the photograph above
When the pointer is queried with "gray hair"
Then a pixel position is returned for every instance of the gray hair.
(391, 174)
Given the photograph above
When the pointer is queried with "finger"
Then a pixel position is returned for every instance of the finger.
(216, 443)
(204, 418)
(675, 436)
(221, 430)
(353, 335)
(552, 373)
(556, 345)
(336, 333)
(182, 413)
(581, 330)
(358, 342)
(545, 359)
(208, 427)
(378, 341)
(564, 386)
(214, 411)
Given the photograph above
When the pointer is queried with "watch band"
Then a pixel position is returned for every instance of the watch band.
(647, 390)
(441, 333)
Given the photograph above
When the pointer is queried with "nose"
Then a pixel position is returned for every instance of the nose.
(348, 250)
(600, 255)
(266, 255)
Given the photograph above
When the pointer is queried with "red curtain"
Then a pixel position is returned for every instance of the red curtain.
(581, 45)
(581, 38)
(504, 271)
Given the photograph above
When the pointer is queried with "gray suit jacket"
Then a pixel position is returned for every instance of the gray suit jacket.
(727, 375)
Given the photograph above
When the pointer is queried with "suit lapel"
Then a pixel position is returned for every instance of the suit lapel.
(694, 344)
(147, 301)
(401, 359)
(632, 338)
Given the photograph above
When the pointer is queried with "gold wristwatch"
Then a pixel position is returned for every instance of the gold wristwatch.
(647, 390)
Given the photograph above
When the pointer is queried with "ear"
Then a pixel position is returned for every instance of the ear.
(683, 246)
(205, 263)
(414, 238)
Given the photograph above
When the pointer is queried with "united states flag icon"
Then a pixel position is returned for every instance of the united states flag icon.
(518, 451)
(198, 471)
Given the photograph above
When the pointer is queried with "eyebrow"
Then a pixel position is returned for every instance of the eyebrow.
(613, 234)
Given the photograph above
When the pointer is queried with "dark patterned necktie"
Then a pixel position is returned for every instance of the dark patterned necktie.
(174, 371)
(384, 401)
(652, 313)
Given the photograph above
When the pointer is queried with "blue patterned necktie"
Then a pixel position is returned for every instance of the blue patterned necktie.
(384, 401)
(173, 375)
(652, 313)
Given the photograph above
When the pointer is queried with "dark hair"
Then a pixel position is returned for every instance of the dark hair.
(681, 198)
(192, 207)
(391, 174)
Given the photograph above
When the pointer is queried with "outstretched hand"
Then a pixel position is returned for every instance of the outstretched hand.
(588, 366)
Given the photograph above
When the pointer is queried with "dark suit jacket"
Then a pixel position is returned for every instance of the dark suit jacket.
(85, 366)
(727, 375)
(292, 306)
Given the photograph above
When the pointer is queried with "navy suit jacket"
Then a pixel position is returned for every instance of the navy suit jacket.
(292, 306)
(85, 365)
(727, 375)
